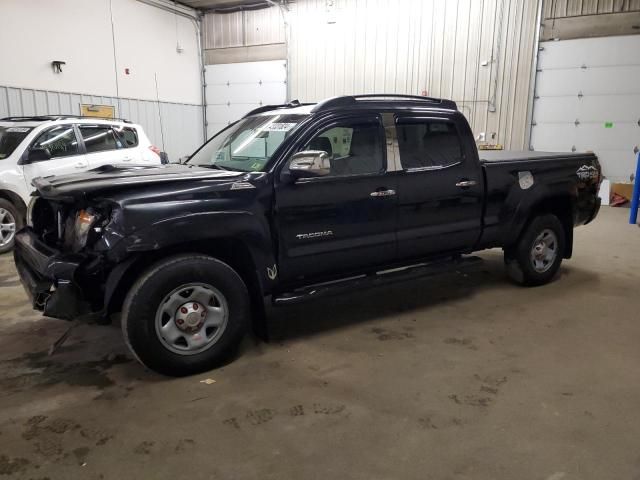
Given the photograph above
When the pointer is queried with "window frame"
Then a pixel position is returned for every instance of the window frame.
(114, 128)
(420, 119)
(78, 126)
(338, 121)
(25, 155)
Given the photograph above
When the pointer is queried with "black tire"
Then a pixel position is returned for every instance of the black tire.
(147, 295)
(18, 221)
(519, 263)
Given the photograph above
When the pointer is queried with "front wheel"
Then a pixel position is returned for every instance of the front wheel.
(537, 256)
(186, 314)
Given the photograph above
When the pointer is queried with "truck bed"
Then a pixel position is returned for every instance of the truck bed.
(491, 156)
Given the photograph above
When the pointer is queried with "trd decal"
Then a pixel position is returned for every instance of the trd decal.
(587, 172)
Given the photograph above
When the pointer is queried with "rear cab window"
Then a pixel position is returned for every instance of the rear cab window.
(11, 138)
(428, 143)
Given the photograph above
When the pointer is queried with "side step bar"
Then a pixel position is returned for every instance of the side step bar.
(374, 279)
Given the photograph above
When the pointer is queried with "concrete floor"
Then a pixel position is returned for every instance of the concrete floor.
(462, 376)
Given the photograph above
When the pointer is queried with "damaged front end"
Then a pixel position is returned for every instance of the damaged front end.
(62, 272)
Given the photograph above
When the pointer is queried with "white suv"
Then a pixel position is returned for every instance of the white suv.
(33, 147)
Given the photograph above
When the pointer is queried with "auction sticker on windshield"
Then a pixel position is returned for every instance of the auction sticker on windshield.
(278, 127)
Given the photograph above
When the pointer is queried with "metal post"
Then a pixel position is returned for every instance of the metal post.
(635, 198)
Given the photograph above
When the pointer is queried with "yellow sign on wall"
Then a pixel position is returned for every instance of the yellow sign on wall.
(102, 111)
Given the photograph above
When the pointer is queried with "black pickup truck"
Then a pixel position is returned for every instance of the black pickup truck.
(292, 202)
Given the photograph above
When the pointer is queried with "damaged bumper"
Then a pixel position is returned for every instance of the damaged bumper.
(49, 278)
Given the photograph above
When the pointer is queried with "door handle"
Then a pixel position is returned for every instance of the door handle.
(383, 193)
(79, 165)
(466, 183)
(126, 159)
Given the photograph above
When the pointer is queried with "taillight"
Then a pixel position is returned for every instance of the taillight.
(154, 149)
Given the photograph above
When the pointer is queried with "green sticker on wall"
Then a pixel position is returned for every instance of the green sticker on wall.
(608, 124)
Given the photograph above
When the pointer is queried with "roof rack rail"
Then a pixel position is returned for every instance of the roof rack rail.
(33, 118)
(266, 108)
(350, 100)
(44, 118)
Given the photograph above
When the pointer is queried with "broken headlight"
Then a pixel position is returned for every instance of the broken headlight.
(85, 219)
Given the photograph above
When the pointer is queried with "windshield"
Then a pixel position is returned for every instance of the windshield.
(248, 145)
(10, 138)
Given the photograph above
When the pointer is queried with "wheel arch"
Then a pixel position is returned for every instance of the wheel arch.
(563, 207)
(232, 251)
(16, 200)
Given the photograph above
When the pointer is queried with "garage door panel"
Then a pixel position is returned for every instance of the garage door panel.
(621, 80)
(595, 135)
(558, 82)
(552, 137)
(228, 113)
(596, 81)
(609, 108)
(557, 109)
(617, 164)
(234, 89)
(246, 72)
(603, 98)
(589, 52)
(589, 109)
(252, 93)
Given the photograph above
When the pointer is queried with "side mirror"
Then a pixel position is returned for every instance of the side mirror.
(164, 158)
(38, 155)
(310, 163)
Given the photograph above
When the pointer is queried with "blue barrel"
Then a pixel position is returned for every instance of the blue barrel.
(635, 199)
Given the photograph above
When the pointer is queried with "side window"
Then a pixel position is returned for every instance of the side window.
(428, 143)
(60, 141)
(98, 138)
(353, 148)
(126, 137)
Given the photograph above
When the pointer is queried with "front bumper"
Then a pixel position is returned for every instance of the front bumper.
(49, 277)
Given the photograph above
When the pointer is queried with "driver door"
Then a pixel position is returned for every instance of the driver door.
(343, 222)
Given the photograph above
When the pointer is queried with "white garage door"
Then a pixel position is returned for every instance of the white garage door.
(235, 88)
(588, 98)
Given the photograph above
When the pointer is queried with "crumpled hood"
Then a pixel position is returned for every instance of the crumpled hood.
(114, 177)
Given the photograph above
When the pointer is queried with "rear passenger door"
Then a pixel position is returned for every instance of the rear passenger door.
(103, 146)
(440, 188)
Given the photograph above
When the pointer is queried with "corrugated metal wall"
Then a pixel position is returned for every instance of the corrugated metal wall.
(243, 28)
(574, 8)
(476, 52)
(174, 127)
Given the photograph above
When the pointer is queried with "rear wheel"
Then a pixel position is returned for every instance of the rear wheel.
(536, 258)
(10, 222)
(186, 314)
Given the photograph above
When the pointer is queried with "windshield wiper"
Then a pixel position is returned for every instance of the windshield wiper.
(217, 167)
